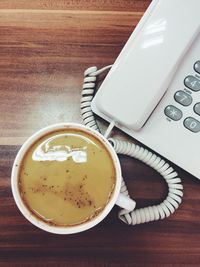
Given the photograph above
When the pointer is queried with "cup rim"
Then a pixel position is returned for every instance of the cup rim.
(63, 229)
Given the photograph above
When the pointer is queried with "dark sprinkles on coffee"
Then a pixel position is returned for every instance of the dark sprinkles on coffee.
(74, 194)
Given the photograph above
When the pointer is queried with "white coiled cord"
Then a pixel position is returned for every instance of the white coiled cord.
(175, 188)
(89, 83)
(175, 193)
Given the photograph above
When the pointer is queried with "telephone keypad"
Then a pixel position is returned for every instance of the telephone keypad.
(197, 66)
(192, 82)
(183, 98)
(173, 113)
(192, 124)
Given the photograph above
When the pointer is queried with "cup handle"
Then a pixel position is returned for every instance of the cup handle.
(125, 202)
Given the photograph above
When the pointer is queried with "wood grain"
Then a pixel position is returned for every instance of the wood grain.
(44, 48)
(113, 5)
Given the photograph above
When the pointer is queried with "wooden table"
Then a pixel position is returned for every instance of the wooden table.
(44, 48)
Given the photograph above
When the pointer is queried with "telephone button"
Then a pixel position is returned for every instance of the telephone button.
(197, 108)
(197, 66)
(192, 124)
(192, 82)
(183, 98)
(173, 113)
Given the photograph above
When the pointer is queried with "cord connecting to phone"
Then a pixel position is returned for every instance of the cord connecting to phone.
(175, 187)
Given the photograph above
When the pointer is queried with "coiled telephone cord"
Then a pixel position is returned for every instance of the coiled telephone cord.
(175, 188)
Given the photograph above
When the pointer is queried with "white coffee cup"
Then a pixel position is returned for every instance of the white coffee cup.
(117, 197)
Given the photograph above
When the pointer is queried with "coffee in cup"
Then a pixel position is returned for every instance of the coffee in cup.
(66, 178)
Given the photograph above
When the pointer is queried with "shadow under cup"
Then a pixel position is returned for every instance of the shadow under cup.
(29, 215)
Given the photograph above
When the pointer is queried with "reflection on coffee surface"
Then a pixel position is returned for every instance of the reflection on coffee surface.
(66, 177)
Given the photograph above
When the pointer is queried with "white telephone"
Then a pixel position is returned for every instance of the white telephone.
(152, 91)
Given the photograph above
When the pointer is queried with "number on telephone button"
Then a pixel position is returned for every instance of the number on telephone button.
(183, 98)
(192, 82)
(192, 124)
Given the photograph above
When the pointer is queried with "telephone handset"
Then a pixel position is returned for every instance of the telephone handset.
(152, 91)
